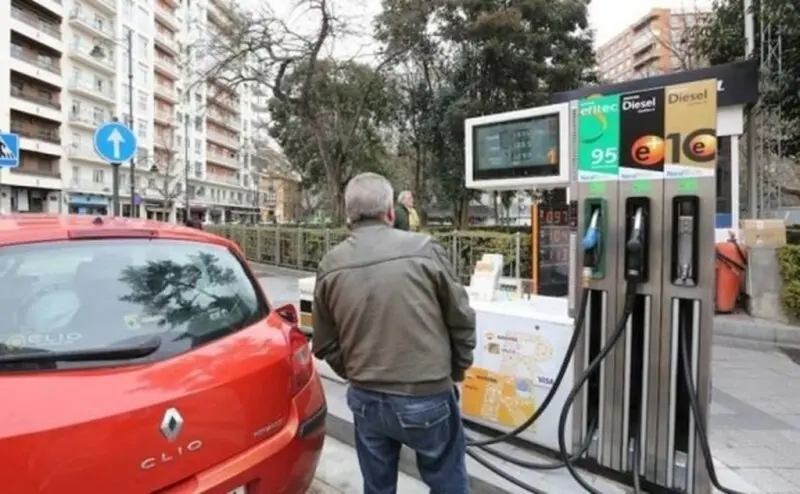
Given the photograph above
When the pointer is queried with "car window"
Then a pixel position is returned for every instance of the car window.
(90, 294)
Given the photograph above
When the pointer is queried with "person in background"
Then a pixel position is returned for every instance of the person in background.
(406, 217)
(391, 317)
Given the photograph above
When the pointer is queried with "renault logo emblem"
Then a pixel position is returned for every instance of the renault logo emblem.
(171, 424)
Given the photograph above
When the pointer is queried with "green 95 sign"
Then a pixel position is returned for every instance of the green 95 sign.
(598, 138)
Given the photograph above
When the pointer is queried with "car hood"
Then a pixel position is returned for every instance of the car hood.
(145, 427)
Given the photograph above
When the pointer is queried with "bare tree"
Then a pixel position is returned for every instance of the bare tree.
(166, 170)
(261, 49)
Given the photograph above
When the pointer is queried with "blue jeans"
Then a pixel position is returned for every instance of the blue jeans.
(428, 425)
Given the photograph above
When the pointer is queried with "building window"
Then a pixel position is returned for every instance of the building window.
(99, 22)
(76, 175)
(98, 114)
(97, 176)
(198, 123)
(141, 129)
(143, 45)
(142, 101)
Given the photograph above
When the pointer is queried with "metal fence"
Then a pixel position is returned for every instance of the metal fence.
(302, 248)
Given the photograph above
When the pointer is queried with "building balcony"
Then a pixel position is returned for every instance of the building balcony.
(222, 159)
(33, 27)
(35, 67)
(105, 65)
(167, 67)
(165, 118)
(84, 153)
(91, 187)
(228, 122)
(167, 43)
(84, 120)
(88, 90)
(222, 179)
(45, 141)
(82, 21)
(167, 17)
(35, 105)
(164, 144)
(43, 175)
(224, 101)
(217, 14)
(106, 6)
(222, 139)
(51, 171)
(165, 92)
(54, 6)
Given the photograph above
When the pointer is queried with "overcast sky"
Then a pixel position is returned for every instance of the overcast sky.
(607, 17)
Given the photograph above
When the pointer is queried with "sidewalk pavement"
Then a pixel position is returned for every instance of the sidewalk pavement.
(338, 473)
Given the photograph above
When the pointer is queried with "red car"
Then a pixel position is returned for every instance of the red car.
(144, 358)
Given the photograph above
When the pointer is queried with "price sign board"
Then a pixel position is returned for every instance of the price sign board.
(552, 225)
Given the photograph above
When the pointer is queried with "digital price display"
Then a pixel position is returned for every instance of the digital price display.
(554, 223)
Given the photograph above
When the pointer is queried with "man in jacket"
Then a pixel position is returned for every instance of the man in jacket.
(406, 217)
(391, 317)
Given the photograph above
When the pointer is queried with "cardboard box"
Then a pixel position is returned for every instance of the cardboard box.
(763, 233)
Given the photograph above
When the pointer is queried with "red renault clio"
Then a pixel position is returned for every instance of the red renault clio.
(143, 358)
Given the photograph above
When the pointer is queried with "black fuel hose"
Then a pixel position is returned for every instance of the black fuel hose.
(594, 365)
(700, 426)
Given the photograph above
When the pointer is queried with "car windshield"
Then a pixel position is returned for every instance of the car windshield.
(90, 294)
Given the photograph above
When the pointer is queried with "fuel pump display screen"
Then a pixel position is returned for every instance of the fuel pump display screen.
(527, 147)
(555, 226)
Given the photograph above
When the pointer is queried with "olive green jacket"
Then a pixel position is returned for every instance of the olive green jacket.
(401, 217)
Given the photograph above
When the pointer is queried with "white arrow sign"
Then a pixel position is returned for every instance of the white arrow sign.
(116, 139)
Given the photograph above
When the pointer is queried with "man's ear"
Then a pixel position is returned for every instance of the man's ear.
(390, 215)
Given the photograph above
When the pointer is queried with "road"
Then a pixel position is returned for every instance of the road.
(754, 418)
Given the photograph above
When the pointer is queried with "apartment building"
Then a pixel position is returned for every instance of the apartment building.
(279, 188)
(218, 124)
(655, 44)
(70, 69)
(33, 42)
(280, 197)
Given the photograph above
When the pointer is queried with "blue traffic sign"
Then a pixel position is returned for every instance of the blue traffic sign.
(115, 142)
(9, 150)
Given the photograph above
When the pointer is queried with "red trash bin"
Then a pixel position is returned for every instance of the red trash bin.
(731, 266)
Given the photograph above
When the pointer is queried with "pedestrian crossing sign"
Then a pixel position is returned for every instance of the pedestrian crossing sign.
(9, 150)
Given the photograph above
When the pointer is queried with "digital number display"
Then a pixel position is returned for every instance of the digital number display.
(525, 147)
(555, 226)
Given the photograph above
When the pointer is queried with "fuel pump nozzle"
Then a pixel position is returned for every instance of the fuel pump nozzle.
(634, 249)
(591, 247)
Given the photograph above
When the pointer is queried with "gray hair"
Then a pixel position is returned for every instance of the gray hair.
(367, 196)
(403, 195)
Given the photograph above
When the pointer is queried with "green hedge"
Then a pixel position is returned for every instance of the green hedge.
(789, 265)
(303, 248)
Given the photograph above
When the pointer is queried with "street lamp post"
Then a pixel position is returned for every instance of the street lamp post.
(130, 118)
(186, 166)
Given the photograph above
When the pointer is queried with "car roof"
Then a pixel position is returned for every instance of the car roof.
(35, 227)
